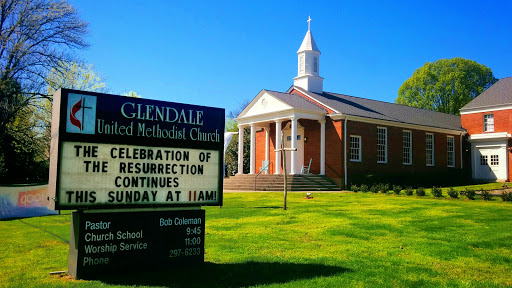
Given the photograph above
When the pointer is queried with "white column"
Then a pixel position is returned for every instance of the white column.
(240, 149)
(293, 159)
(278, 146)
(253, 149)
(322, 147)
(267, 147)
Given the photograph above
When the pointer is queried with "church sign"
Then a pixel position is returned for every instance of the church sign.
(111, 152)
(106, 243)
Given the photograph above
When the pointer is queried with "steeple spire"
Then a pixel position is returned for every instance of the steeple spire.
(308, 76)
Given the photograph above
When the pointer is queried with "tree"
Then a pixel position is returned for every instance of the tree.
(131, 93)
(74, 75)
(445, 85)
(36, 40)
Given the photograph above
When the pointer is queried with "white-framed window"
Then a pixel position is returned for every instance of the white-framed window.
(488, 122)
(355, 148)
(483, 160)
(495, 160)
(407, 147)
(315, 64)
(450, 147)
(429, 147)
(382, 145)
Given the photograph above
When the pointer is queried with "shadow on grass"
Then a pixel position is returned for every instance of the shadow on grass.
(269, 207)
(227, 275)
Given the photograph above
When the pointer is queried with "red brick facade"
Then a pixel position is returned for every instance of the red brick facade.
(474, 124)
(334, 150)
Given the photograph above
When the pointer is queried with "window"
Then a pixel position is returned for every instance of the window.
(429, 146)
(451, 151)
(382, 145)
(407, 147)
(488, 123)
(315, 64)
(355, 148)
(483, 160)
(495, 160)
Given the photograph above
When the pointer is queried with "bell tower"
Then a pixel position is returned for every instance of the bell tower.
(308, 74)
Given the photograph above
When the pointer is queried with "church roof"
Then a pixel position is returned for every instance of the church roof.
(373, 109)
(498, 94)
(308, 44)
(296, 102)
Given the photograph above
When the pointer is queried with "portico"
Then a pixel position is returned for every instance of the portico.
(281, 117)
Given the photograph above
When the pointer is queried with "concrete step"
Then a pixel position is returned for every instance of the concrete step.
(263, 182)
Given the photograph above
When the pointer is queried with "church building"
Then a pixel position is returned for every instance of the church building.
(345, 137)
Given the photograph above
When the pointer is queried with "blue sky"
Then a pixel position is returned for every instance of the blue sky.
(222, 53)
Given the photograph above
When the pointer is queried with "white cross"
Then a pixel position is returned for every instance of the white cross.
(309, 23)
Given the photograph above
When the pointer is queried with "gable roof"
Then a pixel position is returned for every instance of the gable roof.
(498, 94)
(373, 109)
(296, 102)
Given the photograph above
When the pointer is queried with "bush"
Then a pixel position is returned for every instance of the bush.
(374, 189)
(420, 191)
(470, 193)
(383, 188)
(453, 193)
(485, 195)
(409, 191)
(437, 192)
(364, 188)
(397, 189)
(506, 196)
(354, 188)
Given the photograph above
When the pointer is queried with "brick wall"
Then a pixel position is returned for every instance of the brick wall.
(394, 165)
(474, 124)
(334, 150)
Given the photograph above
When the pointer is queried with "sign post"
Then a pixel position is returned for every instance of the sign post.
(113, 157)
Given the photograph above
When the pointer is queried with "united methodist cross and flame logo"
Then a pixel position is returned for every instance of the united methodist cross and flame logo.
(81, 114)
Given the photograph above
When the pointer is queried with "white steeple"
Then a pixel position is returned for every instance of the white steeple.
(308, 76)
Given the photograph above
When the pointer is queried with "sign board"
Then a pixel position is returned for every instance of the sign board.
(105, 243)
(110, 152)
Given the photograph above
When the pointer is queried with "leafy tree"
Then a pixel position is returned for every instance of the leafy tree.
(36, 38)
(445, 85)
(131, 94)
(74, 75)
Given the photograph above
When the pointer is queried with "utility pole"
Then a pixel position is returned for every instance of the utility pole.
(283, 152)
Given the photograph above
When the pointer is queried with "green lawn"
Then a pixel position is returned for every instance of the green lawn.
(333, 240)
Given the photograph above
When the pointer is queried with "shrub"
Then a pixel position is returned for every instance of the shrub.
(397, 189)
(354, 188)
(506, 196)
(364, 188)
(437, 192)
(485, 195)
(453, 193)
(470, 193)
(383, 188)
(409, 191)
(420, 191)
(375, 188)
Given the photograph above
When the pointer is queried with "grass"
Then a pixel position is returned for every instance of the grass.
(332, 240)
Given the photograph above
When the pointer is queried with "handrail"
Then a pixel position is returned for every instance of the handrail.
(261, 170)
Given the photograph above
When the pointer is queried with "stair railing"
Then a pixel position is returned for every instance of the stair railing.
(263, 169)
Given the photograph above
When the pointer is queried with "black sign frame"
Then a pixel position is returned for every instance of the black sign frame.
(213, 120)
